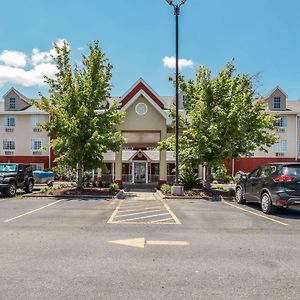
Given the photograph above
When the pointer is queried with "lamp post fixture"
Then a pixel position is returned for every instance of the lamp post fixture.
(177, 13)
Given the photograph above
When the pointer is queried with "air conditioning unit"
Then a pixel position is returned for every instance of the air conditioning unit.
(8, 152)
(9, 129)
(36, 129)
(279, 154)
(280, 129)
(36, 152)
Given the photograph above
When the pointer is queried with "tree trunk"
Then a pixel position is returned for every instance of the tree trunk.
(208, 178)
(79, 175)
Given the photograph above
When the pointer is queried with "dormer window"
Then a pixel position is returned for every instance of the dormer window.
(277, 102)
(12, 103)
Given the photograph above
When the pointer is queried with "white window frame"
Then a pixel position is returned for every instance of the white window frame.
(277, 100)
(37, 120)
(8, 123)
(9, 143)
(12, 103)
(281, 146)
(282, 122)
(37, 167)
(33, 145)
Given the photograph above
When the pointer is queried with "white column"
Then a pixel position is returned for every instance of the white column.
(113, 171)
(147, 172)
(132, 172)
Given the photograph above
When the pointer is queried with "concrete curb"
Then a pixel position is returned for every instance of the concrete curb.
(212, 199)
(119, 195)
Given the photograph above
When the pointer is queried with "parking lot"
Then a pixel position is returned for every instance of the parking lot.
(121, 249)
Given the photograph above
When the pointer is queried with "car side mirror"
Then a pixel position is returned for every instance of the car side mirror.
(244, 176)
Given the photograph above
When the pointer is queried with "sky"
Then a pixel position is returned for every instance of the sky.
(138, 37)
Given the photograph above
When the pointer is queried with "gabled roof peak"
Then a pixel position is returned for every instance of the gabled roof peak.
(273, 90)
(139, 85)
(23, 97)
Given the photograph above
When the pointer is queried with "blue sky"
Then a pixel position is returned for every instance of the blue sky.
(262, 35)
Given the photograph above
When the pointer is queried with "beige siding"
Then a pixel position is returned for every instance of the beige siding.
(23, 135)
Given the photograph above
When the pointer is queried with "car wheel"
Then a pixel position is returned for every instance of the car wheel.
(266, 204)
(12, 189)
(239, 196)
(29, 187)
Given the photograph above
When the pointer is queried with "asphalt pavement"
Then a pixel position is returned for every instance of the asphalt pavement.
(121, 249)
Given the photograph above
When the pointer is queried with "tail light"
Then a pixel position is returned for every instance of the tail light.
(283, 178)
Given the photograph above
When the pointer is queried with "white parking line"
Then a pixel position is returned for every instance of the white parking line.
(142, 209)
(256, 214)
(32, 211)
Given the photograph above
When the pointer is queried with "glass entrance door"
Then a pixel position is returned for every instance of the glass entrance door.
(139, 172)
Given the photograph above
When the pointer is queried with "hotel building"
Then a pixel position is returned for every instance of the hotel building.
(146, 123)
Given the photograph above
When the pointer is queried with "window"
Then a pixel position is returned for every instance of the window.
(9, 144)
(36, 144)
(254, 173)
(281, 146)
(36, 120)
(12, 103)
(282, 122)
(277, 102)
(10, 122)
(267, 170)
(37, 167)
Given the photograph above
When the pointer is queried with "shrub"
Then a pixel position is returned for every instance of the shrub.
(220, 173)
(191, 193)
(113, 187)
(62, 186)
(202, 194)
(189, 178)
(165, 188)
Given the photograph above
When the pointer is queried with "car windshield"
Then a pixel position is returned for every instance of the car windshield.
(293, 170)
(8, 168)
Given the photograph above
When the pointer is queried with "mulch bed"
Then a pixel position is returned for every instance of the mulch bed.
(203, 193)
(94, 191)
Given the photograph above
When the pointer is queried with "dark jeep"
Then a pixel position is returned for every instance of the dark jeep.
(14, 176)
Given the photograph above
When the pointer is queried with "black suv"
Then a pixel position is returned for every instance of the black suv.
(273, 185)
(13, 176)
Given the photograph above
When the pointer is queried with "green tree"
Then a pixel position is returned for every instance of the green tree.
(222, 121)
(83, 127)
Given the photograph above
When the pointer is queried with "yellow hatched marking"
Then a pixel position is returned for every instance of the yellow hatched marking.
(169, 210)
(139, 213)
(132, 210)
(256, 214)
(144, 217)
(158, 221)
(115, 212)
(127, 206)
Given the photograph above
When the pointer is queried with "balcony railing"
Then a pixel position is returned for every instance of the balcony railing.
(170, 179)
(126, 177)
(107, 177)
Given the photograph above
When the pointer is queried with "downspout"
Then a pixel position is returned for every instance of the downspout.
(49, 147)
(296, 156)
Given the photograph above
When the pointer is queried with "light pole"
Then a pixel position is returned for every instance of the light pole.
(177, 13)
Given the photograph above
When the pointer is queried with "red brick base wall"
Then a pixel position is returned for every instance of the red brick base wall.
(248, 164)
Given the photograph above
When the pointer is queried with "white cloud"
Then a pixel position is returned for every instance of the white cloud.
(14, 70)
(170, 62)
(32, 77)
(13, 58)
